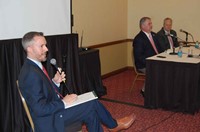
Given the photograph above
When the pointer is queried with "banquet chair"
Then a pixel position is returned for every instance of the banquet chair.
(26, 108)
(139, 76)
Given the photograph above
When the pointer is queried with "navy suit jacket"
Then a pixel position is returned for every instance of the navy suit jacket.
(163, 40)
(45, 107)
(143, 49)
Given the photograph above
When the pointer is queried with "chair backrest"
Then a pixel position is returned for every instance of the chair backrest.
(26, 108)
(133, 59)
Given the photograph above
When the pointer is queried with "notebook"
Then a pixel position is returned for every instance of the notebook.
(83, 98)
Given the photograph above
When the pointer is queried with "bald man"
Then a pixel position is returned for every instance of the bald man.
(165, 40)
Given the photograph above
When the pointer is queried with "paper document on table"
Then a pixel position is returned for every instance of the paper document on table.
(83, 98)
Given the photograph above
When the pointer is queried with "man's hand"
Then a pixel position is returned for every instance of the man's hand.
(58, 78)
(69, 99)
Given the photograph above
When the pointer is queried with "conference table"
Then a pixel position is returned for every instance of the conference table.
(172, 82)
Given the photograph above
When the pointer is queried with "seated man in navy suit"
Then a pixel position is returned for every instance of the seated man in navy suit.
(145, 44)
(47, 106)
(166, 41)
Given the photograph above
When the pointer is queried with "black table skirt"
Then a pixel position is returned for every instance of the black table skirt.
(90, 70)
(172, 86)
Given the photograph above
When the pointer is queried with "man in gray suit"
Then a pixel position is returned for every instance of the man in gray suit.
(165, 40)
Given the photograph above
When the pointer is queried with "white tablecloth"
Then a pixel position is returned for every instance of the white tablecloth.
(174, 58)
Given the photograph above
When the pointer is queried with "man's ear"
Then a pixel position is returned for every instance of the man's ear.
(28, 49)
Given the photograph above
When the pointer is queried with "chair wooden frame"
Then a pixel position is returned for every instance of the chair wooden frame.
(138, 74)
(26, 108)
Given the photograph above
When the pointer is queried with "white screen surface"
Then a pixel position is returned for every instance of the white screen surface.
(18, 17)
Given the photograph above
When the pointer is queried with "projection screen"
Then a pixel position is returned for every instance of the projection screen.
(17, 17)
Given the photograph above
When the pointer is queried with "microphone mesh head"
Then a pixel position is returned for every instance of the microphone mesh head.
(53, 61)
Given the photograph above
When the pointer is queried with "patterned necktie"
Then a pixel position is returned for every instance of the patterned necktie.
(152, 43)
(47, 75)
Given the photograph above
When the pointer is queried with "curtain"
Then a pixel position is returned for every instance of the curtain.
(64, 48)
(65, 51)
(11, 110)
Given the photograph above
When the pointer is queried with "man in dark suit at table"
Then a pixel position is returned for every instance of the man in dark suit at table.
(145, 45)
(46, 104)
(165, 40)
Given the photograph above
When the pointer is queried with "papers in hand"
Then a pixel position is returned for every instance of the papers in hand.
(83, 98)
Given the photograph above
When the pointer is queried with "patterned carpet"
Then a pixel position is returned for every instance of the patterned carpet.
(118, 88)
(120, 102)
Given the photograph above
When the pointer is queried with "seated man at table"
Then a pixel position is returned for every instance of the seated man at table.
(145, 45)
(166, 41)
(47, 105)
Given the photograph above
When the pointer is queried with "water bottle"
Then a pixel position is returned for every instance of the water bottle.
(196, 45)
(180, 53)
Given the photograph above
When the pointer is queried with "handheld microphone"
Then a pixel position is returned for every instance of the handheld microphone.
(53, 62)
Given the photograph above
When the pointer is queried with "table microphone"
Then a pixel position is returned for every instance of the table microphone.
(173, 53)
(168, 34)
(187, 33)
(183, 31)
(53, 62)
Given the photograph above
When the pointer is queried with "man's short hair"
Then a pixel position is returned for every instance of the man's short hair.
(166, 19)
(143, 19)
(28, 38)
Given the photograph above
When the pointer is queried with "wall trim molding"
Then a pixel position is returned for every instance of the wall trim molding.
(110, 43)
(116, 72)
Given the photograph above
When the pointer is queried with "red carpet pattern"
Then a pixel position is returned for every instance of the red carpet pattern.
(118, 88)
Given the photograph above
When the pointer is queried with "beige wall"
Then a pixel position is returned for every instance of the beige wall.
(185, 14)
(129, 54)
(113, 57)
(103, 21)
(111, 20)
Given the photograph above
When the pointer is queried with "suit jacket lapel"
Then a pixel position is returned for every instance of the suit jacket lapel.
(48, 83)
(145, 37)
(148, 42)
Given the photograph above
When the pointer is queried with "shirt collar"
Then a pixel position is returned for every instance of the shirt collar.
(39, 64)
(166, 31)
(147, 34)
